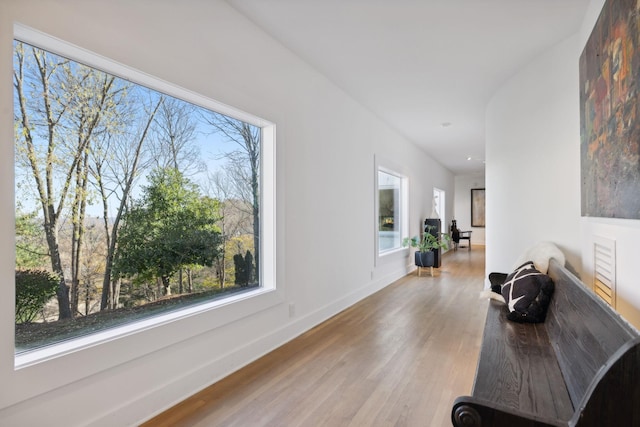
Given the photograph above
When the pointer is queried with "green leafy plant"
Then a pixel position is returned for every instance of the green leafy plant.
(33, 289)
(171, 227)
(428, 241)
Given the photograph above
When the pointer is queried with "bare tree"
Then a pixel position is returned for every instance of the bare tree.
(94, 101)
(235, 215)
(56, 125)
(92, 268)
(174, 137)
(243, 166)
(123, 168)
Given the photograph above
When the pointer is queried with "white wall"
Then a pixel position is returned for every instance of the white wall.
(463, 185)
(533, 171)
(326, 144)
(533, 159)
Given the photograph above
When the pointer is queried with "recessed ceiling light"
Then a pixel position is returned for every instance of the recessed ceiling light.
(475, 159)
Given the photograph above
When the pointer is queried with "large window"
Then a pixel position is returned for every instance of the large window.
(134, 198)
(391, 199)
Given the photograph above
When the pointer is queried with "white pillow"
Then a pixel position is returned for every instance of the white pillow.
(540, 254)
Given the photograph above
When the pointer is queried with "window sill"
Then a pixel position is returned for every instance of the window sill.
(45, 369)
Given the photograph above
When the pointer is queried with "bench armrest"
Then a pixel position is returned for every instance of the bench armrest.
(473, 412)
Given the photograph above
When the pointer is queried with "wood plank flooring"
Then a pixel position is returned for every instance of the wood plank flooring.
(397, 358)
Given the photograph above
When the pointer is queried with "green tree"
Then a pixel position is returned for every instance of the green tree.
(31, 251)
(171, 227)
(33, 289)
(241, 269)
(248, 262)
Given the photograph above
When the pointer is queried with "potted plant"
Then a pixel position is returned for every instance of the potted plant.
(424, 256)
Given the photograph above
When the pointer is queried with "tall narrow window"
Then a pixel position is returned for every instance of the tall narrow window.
(439, 207)
(133, 198)
(390, 212)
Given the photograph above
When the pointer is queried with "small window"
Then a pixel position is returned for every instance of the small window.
(391, 211)
(389, 222)
(439, 207)
(134, 198)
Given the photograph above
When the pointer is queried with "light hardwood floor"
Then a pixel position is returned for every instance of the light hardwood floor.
(398, 358)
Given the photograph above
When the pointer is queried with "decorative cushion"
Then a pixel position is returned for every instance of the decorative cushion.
(527, 293)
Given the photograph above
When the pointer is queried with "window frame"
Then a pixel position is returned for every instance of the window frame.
(41, 370)
(389, 167)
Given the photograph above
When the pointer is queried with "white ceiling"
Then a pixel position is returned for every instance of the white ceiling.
(420, 64)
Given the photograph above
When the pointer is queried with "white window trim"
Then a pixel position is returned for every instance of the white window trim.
(391, 168)
(43, 370)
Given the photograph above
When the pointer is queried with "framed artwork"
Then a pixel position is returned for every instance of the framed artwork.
(609, 114)
(477, 207)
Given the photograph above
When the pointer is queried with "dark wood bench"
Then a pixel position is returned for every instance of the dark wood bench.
(581, 367)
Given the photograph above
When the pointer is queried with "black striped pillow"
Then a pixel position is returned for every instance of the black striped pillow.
(527, 293)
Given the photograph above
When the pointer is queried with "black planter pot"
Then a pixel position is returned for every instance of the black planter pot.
(425, 259)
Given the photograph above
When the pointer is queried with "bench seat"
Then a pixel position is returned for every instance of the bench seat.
(518, 368)
(580, 368)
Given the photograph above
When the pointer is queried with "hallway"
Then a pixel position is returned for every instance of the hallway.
(398, 358)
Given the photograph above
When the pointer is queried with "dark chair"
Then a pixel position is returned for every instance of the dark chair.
(457, 235)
